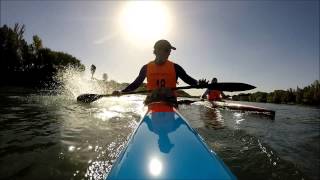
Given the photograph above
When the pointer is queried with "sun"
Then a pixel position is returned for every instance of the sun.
(144, 22)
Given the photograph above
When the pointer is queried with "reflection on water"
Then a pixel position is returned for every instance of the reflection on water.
(238, 118)
(106, 114)
(162, 124)
(43, 135)
(212, 118)
(203, 115)
(155, 166)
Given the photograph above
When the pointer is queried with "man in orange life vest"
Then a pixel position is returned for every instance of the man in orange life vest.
(213, 95)
(161, 72)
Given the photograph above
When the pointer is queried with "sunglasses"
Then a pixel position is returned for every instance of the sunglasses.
(165, 50)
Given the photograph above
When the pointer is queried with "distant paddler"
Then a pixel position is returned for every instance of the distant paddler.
(162, 75)
(212, 94)
(215, 97)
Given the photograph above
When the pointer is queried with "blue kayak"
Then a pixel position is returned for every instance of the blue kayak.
(164, 146)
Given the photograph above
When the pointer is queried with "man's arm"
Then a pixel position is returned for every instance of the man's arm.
(138, 81)
(205, 94)
(223, 95)
(181, 73)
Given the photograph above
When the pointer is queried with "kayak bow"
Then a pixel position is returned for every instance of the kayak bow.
(164, 146)
(241, 107)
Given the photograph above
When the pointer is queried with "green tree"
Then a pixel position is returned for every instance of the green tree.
(252, 97)
(260, 97)
(291, 96)
(93, 70)
(36, 44)
(29, 64)
(316, 95)
(279, 97)
(19, 31)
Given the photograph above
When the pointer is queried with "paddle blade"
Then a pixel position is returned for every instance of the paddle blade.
(186, 101)
(231, 86)
(88, 98)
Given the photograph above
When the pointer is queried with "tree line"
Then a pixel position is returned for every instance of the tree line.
(30, 64)
(308, 95)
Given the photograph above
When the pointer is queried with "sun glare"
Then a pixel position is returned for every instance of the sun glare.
(144, 22)
(155, 167)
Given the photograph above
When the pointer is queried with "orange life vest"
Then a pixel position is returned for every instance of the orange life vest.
(161, 75)
(214, 95)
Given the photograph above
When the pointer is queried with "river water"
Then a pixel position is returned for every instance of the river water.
(45, 136)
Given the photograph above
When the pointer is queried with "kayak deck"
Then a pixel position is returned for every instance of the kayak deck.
(164, 146)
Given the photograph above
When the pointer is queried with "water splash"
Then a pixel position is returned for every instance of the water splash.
(238, 118)
(101, 166)
(74, 82)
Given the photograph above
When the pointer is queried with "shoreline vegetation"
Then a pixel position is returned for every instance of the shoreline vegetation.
(30, 65)
(309, 95)
(36, 66)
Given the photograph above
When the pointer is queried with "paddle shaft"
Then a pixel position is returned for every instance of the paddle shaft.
(148, 91)
(217, 86)
(88, 98)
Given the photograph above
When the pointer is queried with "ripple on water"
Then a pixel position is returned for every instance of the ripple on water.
(53, 136)
(243, 152)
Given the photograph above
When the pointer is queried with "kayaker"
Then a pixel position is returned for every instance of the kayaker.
(161, 73)
(212, 94)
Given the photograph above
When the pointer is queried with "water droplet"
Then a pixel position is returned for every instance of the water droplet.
(71, 148)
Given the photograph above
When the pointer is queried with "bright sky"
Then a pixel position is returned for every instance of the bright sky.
(269, 44)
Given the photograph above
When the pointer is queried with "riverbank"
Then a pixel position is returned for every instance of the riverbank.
(309, 95)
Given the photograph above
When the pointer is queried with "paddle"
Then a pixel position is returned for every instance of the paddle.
(227, 86)
(187, 102)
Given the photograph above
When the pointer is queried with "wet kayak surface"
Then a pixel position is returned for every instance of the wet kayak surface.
(54, 137)
(164, 146)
